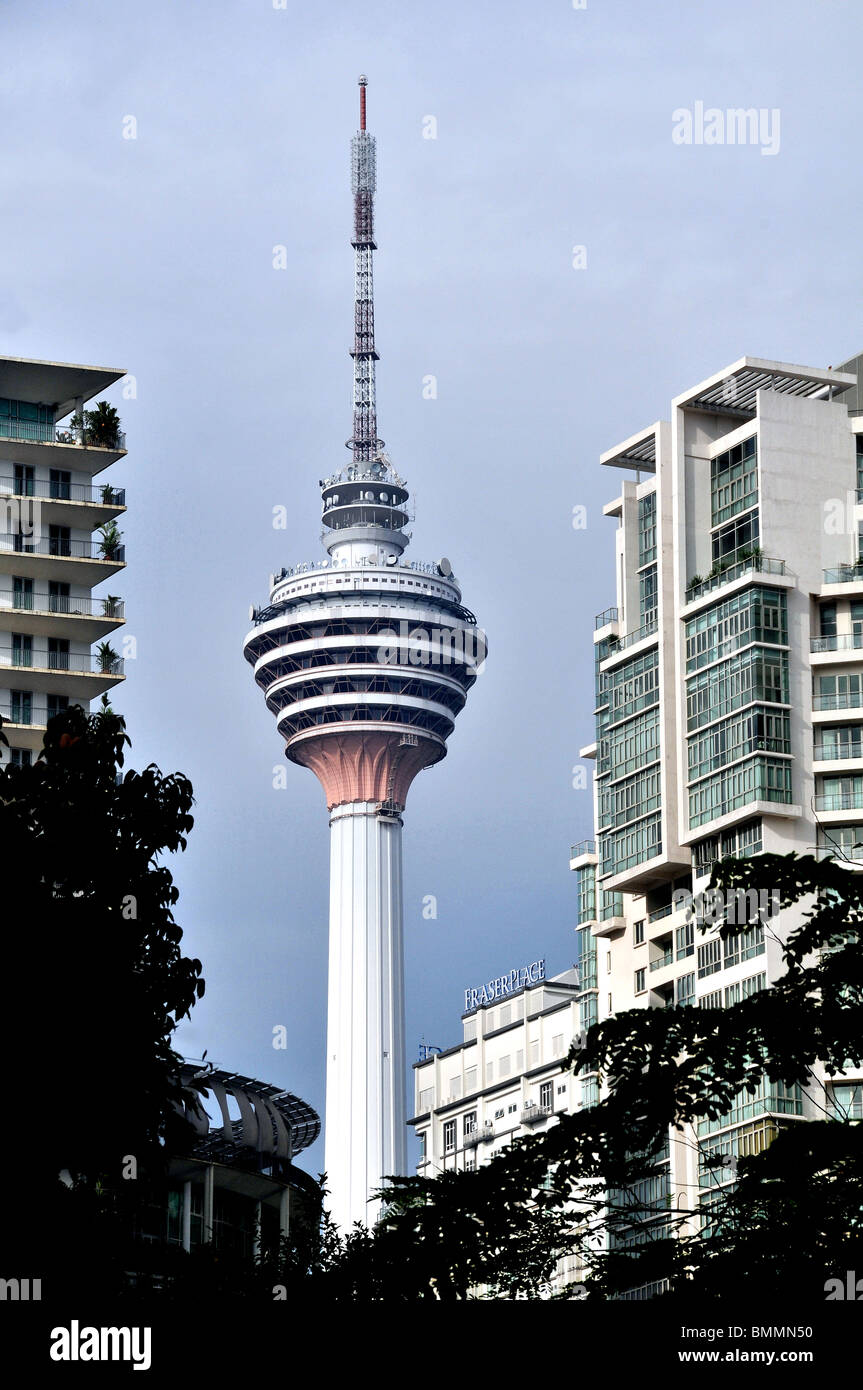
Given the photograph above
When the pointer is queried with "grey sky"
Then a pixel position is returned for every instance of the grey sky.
(155, 254)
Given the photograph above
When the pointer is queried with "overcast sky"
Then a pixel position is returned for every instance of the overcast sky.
(155, 254)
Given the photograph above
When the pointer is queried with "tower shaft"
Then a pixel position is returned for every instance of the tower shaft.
(366, 1120)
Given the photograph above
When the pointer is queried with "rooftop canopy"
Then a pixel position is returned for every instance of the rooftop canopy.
(58, 384)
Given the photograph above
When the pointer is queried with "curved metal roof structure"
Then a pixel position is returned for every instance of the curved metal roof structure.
(272, 1122)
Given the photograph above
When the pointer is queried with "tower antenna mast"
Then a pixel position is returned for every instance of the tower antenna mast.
(364, 442)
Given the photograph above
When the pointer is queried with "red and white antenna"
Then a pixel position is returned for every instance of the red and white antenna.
(364, 441)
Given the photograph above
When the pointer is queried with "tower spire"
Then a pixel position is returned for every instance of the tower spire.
(364, 442)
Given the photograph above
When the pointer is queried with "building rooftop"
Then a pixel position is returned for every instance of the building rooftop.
(58, 384)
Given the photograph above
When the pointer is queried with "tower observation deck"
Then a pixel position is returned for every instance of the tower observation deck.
(365, 659)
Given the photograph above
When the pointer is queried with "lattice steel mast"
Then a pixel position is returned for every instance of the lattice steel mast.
(364, 442)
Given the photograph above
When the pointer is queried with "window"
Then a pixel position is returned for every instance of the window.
(608, 962)
(755, 615)
(22, 649)
(546, 1094)
(426, 1100)
(58, 653)
(640, 978)
(733, 481)
(557, 1045)
(423, 1138)
(22, 592)
(469, 1123)
(744, 945)
(511, 1109)
(470, 1080)
(59, 542)
(711, 1001)
(709, 958)
(25, 480)
(56, 703)
(58, 597)
(684, 992)
(20, 757)
(61, 479)
(685, 940)
(638, 933)
(561, 1090)
(848, 1101)
(469, 1163)
(504, 1066)
(21, 711)
(647, 529)
(448, 1136)
(827, 620)
(737, 535)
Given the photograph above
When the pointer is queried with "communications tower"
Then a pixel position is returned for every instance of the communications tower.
(365, 659)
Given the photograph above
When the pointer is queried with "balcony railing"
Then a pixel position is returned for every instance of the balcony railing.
(825, 752)
(63, 604)
(532, 1114)
(61, 547)
(480, 1134)
(844, 574)
(619, 644)
(27, 713)
(839, 801)
(603, 619)
(761, 563)
(38, 432)
(845, 699)
(583, 847)
(839, 642)
(62, 661)
(840, 852)
(58, 491)
(666, 958)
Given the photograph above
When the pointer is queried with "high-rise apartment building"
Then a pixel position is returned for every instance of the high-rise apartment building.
(729, 706)
(59, 540)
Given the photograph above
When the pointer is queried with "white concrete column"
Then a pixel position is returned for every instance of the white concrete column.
(207, 1232)
(285, 1212)
(187, 1216)
(256, 1238)
(365, 1111)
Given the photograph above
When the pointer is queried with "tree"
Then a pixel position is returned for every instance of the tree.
(96, 981)
(788, 1225)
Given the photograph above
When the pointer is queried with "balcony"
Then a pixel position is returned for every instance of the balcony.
(845, 574)
(583, 853)
(480, 1134)
(80, 562)
(75, 504)
(839, 801)
(49, 444)
(610, 615)
(61, 673)
(843, 700)
(44, 615)
(620, 644)
(826, 752)
(660, 962)
(760, 564)
(841, 642)
(532, 1114)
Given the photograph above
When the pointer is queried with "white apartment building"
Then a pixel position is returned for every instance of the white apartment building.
(505, 1079)
(729, 707)
(50, 558)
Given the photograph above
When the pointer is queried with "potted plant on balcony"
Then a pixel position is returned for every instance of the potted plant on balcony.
(107, 657)
(110, 606)
(110, 537)
(102, 426)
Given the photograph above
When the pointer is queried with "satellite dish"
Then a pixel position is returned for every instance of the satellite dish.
(444, 567)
